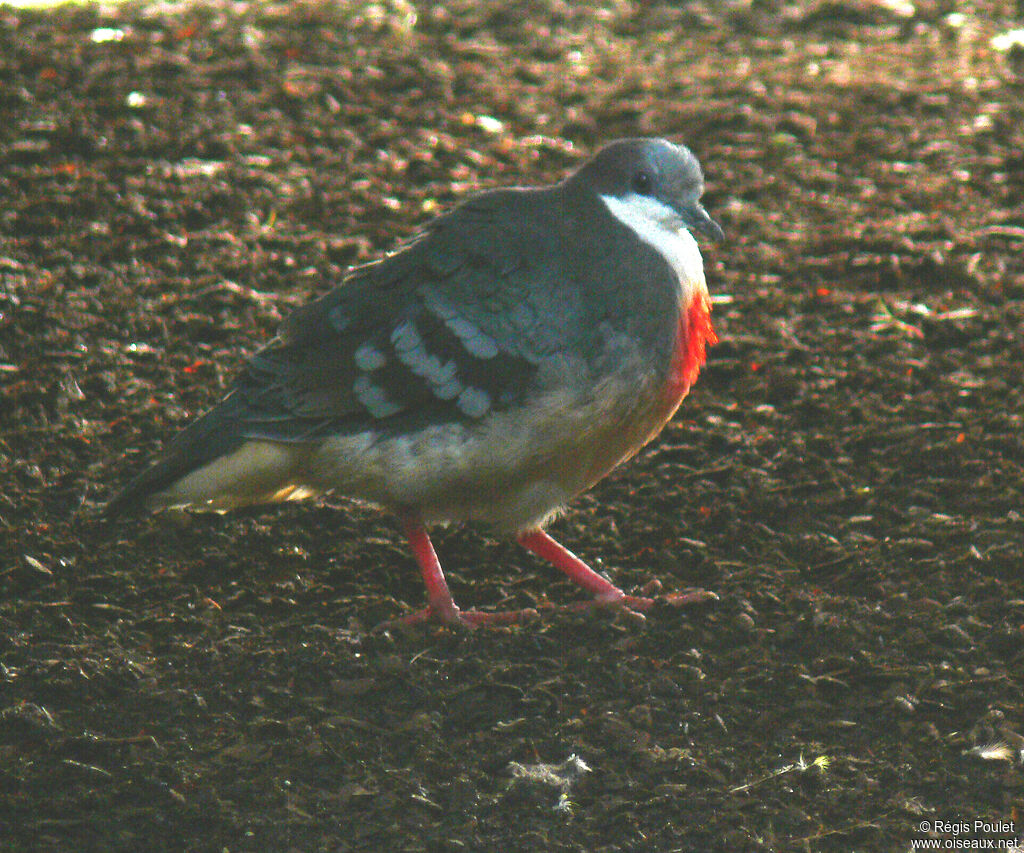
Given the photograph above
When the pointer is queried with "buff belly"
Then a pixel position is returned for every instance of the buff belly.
(512, 473)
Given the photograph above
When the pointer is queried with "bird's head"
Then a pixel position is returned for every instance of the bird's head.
(656, 180)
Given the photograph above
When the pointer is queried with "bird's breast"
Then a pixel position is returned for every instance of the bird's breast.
(631, 413)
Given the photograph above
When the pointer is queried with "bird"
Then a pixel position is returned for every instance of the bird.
(503, 360)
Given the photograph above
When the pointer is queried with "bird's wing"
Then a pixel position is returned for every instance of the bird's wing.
(461, 323)
(451, 328)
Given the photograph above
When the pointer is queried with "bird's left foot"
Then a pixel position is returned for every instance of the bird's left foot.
(651, 595)
(636, 605)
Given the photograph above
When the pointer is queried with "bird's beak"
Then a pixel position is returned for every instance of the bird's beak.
(696, 218)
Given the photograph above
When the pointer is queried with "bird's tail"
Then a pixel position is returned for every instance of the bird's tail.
(213, 435)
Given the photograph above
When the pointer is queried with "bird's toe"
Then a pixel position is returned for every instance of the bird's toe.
(461, 619)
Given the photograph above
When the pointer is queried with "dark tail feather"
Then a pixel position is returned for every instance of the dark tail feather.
(214, 434)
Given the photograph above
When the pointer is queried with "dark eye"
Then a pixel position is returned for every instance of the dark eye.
(642, 183)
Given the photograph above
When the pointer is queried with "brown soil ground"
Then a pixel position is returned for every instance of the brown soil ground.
(847, 474)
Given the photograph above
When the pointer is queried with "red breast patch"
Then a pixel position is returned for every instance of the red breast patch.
(695, 332)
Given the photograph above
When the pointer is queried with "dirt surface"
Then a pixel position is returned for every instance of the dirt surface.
(846, 475)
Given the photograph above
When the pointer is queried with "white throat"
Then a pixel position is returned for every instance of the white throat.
(657, 225)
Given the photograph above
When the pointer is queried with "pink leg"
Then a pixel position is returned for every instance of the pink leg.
(440, 604)
(605, 592)
(575, 569)
(439, 598)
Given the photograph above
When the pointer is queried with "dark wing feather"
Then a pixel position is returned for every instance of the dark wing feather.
(449, 329)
